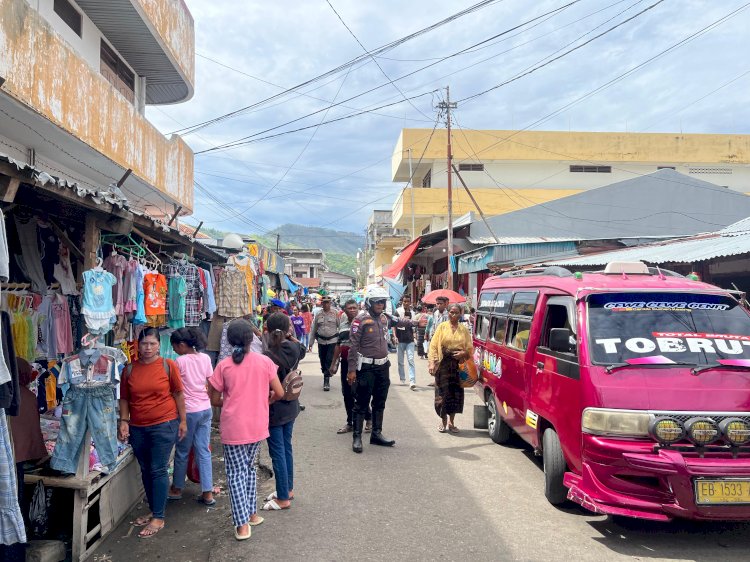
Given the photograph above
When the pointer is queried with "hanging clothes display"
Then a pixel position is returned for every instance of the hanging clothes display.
(63, 273)
(140, 296)
(232, 294)
(194, 288)
(12, 530)
(155, 299)
(177, 292)
(88, 378)
(98, 309)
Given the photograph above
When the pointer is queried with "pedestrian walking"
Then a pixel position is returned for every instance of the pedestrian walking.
(369, 374)
(325, 330)
(450, 345)
(240, 386)
(286, 353)
(351, 309)
(152, 416)
(195, 370)
(308, 317)
(406, 342)
(439, 316)
(299, 324)
(421, 318)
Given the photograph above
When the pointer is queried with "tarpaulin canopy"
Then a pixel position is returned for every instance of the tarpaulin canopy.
(291, 286)
(397, 266)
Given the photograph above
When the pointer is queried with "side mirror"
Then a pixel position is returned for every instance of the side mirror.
(559, 339)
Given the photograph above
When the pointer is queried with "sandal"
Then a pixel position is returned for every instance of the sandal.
(274, 496)
(256, 523)
(368, 426)
(149, 531)
(273, 506)
(204, 501)
(242, 537)
(346, 429)
(452, 428)
(441, 429)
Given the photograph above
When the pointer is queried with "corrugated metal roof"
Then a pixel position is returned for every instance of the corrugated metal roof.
(123, 26)
(489, 240)
(686, 250)
(739, 227)
(478, 260)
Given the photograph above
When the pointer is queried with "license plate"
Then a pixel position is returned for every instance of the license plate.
(725, 491)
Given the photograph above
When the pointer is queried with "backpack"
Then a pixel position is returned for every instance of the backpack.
(291, 382)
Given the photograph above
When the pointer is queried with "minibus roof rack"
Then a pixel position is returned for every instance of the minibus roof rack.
(553, 270)
(654, 271)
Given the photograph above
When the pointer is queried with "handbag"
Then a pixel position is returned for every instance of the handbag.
(467, 372)
(193, 473)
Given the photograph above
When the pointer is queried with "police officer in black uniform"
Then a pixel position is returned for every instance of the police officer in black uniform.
(368, 365)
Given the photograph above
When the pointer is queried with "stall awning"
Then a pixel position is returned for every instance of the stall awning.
(290, 285)
(397, 266)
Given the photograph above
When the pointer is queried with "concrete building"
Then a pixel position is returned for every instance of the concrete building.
(382, 241)
(75, 78)
(511, 170)
(304, 263)
(337, 283)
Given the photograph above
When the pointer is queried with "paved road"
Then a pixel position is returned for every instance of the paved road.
(444, 497)
(432, 497)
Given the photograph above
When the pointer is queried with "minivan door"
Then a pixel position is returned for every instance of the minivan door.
(554, 390)
(517, 361)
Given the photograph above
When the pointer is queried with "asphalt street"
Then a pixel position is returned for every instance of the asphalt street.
(431, 497)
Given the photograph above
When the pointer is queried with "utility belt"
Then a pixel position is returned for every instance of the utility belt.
(327, 341)
(370, 361)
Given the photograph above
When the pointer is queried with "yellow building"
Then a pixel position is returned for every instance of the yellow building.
(510, 170)
(75, 77)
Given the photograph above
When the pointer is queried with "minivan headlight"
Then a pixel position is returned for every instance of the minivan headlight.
(615, 422)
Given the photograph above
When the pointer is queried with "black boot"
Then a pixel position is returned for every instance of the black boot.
(326, 383)
(357, 439)
(376, 437)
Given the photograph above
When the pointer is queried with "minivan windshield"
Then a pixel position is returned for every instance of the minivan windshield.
(664, 328)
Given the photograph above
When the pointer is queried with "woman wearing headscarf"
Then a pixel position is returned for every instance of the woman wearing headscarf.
(450, 345)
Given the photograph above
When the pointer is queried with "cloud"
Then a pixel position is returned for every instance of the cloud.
(347, 165)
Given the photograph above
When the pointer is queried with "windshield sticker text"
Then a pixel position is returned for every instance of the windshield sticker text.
(663, 305)
(665, 342)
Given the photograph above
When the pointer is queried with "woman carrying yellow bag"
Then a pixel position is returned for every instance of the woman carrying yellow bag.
(449, 347)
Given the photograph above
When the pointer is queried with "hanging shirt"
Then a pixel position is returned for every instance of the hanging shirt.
(210, 299)
(61, 319)
(140, 310)
(232, 294)
(194, 294)
(63, 273)
(176, 298)
(155, 294)
(97, 294)
(92, 367)
(116, 265)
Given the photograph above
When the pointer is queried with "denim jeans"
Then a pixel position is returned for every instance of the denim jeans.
(198, 438)
(305, 339)
(407, 348)
(152, 446)
(91, 409)
(280, 449)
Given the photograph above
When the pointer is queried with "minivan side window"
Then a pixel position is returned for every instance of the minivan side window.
(558, 316)
(497, 328)
(519, 323)
(481, 326)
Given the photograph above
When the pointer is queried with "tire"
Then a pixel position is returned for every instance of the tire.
(554, 468)
(497, 428)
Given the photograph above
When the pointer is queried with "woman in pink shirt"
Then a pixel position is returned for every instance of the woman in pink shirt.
(195, 369)
(240, 387)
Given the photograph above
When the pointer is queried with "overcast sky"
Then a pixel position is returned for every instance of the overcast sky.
(336, 174)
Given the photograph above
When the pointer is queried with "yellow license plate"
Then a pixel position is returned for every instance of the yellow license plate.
(727, 491)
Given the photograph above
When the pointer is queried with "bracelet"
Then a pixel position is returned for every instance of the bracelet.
(126, 421)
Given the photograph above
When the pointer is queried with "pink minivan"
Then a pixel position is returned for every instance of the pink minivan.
(632, 383)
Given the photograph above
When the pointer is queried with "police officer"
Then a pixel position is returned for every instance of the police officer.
(368, 365)
(325, 330)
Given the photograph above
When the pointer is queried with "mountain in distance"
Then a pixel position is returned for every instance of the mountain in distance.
(326, 239)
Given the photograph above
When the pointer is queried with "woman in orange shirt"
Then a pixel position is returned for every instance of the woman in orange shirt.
(308, 317)
(151, 399)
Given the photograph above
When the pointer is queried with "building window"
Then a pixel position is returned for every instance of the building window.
(69, 15)
(592, 169)
(666, 168)
(427, 179)
(471, 167)
(113, 68)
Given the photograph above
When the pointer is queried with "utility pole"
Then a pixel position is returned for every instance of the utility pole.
(447, 106)
(411, 185)
(278, 243)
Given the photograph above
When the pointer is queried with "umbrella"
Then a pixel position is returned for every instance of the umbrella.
(452, 296)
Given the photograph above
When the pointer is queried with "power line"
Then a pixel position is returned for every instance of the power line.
(374, 60)
(566, 53)
(382, 49)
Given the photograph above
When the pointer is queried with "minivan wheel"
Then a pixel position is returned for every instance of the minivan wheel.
(554, 468)
(499, 430)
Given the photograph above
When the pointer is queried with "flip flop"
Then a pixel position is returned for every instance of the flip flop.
(201, 499)
(242, 537)
(441, 429)
(256, 523)
(272, 506)
(174, 498)
(345, 429)
(155, 530)
(452, 428)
